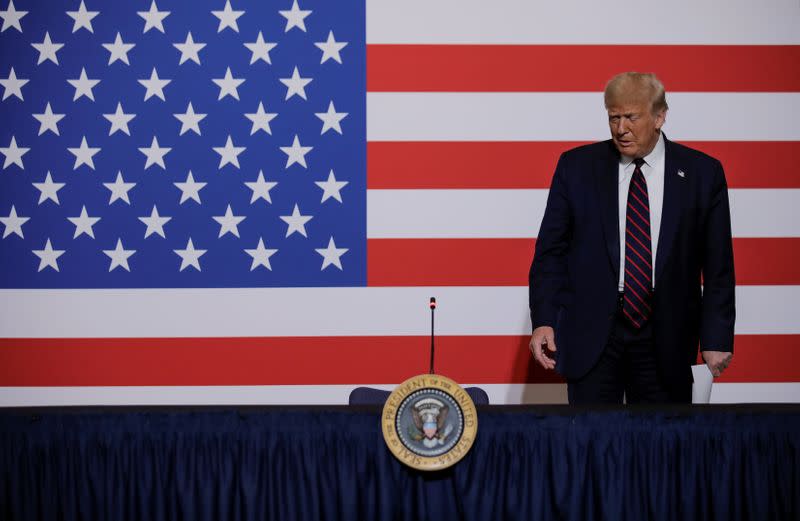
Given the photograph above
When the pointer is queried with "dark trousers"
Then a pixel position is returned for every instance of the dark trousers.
(627, 367)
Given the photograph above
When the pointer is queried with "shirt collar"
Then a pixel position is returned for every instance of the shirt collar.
(650, 159)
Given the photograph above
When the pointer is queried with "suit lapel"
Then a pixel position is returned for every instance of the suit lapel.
(673, 202)
(607, 170)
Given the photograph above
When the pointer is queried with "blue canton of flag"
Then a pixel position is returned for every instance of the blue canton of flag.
(182, 144)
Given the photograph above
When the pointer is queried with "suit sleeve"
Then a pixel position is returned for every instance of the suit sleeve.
(548, 273)
(719, 281)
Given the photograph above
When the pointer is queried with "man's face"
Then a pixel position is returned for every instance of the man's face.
(634, 127)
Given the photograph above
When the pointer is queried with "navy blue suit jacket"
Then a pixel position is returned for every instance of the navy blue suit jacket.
(574, 276)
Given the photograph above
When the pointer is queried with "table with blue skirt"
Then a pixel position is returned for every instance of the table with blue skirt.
(709, 462)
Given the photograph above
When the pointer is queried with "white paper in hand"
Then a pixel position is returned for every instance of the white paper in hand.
(701, 390)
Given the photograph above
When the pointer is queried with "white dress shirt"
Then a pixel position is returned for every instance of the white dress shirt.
(653, 171)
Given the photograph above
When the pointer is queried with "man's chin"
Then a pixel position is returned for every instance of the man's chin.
(627, 150)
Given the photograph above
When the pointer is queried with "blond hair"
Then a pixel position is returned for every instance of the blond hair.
(634, 87)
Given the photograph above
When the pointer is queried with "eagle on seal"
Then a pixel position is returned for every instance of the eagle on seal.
(430, 419)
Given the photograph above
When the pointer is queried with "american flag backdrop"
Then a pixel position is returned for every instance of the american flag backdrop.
(233, 201)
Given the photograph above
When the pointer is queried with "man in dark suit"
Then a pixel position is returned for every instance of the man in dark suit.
(633, 266)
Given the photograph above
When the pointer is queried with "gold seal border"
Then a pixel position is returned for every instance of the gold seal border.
(389, 421)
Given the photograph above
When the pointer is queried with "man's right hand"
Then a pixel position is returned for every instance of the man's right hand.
(543, 336)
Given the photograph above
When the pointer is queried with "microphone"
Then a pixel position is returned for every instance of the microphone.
(433, 309)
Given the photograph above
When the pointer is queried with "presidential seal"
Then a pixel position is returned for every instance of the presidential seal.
(429, 422)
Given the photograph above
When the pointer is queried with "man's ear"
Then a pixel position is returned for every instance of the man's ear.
(661, 118)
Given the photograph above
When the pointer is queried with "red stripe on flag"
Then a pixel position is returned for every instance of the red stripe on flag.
(490, 360)
(320, 360)
(552, 68)
(749, 164)
(261, 361)
(530, 164)
(448, 262)
(505, 262)
(774, 261)
(455, 164)
(762, 358)
(209, 361)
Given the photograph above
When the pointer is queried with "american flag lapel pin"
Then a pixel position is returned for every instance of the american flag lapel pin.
(681, 173)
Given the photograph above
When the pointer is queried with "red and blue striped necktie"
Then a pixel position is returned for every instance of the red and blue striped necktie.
(638, 252)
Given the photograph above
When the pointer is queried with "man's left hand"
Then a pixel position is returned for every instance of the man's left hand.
(717, 361)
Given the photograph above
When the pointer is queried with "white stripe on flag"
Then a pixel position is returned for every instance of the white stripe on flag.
(773, 392)
(499, 394)
(574, 116)
(500, 213)
(267, 312)
(246, 394)
(463, 213)
(765, 212)
(583, 21)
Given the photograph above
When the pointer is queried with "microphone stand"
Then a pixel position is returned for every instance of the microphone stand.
(433, 309)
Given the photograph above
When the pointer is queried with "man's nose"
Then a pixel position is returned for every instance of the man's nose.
(621, 127)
